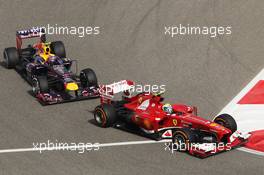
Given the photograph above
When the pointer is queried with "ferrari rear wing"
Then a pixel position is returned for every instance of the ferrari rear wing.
(107, 92)
(30, 33)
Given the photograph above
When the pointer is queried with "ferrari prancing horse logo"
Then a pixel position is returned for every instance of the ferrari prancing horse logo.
(174, 121)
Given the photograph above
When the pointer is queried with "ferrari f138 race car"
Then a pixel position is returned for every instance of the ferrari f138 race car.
(179, 123)
(45, 66)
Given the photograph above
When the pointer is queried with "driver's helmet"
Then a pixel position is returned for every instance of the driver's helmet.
(46, 48)
(167, 108)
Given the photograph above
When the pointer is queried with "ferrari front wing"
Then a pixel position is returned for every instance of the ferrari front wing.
(204, 150)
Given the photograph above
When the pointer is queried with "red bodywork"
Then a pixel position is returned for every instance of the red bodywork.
(152, 118)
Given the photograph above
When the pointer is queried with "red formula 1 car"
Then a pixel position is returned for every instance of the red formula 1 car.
(45, 66)
(147, 114)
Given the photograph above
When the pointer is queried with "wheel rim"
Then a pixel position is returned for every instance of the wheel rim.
(99, 117)
(35, 86)
(180, 141)
(221, 122)
(83, 79)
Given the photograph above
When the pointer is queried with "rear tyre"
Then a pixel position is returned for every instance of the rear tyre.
(88, 78)
(227, 121)
(11, 57)
(105, 115)
(182, 138)
(40, 85)
(57, 48)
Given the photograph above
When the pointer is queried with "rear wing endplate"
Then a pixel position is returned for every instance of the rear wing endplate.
(107, 92)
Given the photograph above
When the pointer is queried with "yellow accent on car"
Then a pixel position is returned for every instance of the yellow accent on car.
(213, 124)
(72, 87)
(45, 57)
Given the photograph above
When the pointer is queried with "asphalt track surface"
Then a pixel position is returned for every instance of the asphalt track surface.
(199, 70)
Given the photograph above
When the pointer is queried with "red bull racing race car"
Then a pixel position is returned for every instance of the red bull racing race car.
(179, 123)
(45, 66)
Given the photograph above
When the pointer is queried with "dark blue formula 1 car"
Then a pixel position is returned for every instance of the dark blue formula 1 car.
(45, 66)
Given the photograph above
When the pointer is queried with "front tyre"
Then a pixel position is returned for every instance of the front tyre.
(11, 57)
(105, 115)
(227, 121)
(40, 85)
(182, 139)
(88, 78)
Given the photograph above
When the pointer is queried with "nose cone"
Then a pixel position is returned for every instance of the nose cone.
(72, 87)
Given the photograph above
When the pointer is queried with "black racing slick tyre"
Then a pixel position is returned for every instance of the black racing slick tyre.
(40, 85)
(227, 121)
(182, 139)
(11, 57)
(105, 115)
(57, 48)
(88, 78)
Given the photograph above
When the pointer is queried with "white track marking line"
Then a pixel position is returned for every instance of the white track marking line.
(65, 148)
(133, 143)
(251, 151)
(18, 150)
